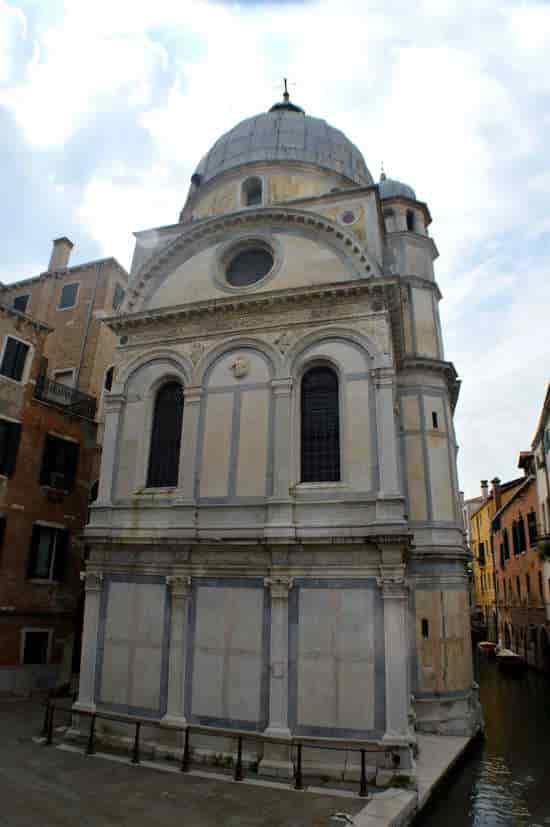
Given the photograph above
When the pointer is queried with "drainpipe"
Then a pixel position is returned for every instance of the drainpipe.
(88, 323)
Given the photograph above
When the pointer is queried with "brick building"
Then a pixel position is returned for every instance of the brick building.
(55, 356)
(482, 557)
(521, 586)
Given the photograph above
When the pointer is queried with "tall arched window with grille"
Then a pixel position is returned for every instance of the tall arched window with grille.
(320, 426)
(164, 454)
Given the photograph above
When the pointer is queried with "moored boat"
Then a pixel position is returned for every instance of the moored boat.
(511, 662)
(487, 647)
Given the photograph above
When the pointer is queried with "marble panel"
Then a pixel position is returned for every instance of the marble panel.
(253, 444)
(216, 447)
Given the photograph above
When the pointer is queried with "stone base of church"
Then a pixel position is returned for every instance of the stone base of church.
(447, 715)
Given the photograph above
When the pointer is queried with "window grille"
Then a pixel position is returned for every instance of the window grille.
(59, 463)
(320, 426)
(164, 454)
(48, 553)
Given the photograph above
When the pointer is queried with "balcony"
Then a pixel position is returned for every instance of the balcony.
(70, 400)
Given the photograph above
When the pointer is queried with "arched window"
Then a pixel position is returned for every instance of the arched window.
(410, 221)
(252, 192)
(320, 426)
(164, 455)
(108, 384)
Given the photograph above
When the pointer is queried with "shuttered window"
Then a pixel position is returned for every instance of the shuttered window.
(59, 463)
(48, 552)
(10, 434)
(320, 426)
(532, 527)
(14, 358)
(164, 454)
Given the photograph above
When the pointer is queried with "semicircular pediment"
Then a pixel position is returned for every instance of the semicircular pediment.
(308, 249)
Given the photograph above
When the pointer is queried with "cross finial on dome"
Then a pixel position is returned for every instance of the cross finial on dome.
(382, 173)
(286, 96)
(286, 104)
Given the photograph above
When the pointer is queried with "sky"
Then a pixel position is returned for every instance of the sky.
(107, 107)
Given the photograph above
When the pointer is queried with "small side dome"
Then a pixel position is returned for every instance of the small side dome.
(389, 188)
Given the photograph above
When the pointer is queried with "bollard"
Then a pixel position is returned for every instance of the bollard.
(363, 784)
(185, 755)
(298, 780)
(135, 753)
(44, 732)
(90, 748)
(239, 764)
(49, 737)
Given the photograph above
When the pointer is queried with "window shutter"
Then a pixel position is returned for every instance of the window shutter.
(31, 562)
(47, 461)
(12, 446)
(60, 559)
(71, 464)
(20, 357)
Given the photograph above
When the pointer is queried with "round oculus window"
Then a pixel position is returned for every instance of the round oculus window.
(249, 265)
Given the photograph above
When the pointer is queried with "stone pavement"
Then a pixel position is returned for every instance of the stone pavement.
(48, 787)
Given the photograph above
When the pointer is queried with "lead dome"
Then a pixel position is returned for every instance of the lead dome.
(285, 133)
(390, 188)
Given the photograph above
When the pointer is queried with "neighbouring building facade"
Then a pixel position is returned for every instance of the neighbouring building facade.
(541, 452)
(483, 558)
(55, 356)
(521, 588)
(277, 543)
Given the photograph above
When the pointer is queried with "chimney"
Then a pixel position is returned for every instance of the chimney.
(496, 492)
(484, 489)
(61, 252)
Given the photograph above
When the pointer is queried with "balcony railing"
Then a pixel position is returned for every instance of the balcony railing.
(64, 397)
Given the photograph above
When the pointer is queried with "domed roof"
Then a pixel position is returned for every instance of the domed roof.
(285, 133)
(389, 188)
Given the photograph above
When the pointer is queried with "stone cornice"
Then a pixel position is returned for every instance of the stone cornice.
(66, 271)
(251, 217)
(437, 366)
(24, 319)
(295, 295)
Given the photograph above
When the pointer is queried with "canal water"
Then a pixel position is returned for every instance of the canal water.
(506, 779)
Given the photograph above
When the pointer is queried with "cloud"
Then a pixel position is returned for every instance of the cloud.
(116, 103)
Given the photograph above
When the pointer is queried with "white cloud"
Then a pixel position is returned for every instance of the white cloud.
(454, 97)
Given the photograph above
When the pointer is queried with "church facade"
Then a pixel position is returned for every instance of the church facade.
(277, 542)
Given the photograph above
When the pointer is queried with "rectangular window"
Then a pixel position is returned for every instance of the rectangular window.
(64, 377)
(541, 586)
(118, 297)
(435, 423)
(527, 584)
(532, 527)
(47, 553)
(482, 554)
(20, 303)
(10, 434)
(502, 560)
(14, 358)
(59, 463)
(506, 543)
(36, 644)
(518, 586)
(521, 534)
(68, 296)
(515, 538)
(2, 535)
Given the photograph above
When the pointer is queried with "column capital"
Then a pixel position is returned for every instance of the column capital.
(383, 376)
(393, 585)
(282, 387)
(93, 580)
(179, 585)
(193, 394)
(114, 402)
(280, 585)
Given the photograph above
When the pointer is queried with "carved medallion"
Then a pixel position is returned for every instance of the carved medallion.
(284, 341)
(240, 367)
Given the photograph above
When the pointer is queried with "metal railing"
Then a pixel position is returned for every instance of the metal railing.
(295, 744)
(63, 396)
